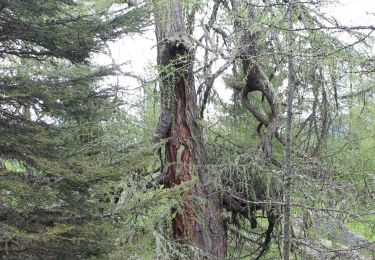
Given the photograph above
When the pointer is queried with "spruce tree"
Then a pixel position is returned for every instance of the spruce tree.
(53, 109)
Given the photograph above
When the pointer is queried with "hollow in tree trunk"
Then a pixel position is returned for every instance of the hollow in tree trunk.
(198, 222)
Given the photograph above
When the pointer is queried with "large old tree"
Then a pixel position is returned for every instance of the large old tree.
(264, 114)
(254, 46)
(198, 221)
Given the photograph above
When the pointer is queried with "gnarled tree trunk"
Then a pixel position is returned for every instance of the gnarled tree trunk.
(198, 222)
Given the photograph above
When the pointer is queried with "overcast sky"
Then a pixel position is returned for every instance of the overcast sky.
(140, 51)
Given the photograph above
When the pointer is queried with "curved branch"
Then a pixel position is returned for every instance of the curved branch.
(209, 84)
(258, 81)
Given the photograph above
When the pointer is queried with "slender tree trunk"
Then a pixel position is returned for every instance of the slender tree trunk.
(198, 222)
(287, 166)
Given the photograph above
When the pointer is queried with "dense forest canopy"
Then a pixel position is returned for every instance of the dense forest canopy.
(99, 160)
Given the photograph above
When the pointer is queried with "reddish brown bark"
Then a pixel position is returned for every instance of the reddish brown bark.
(179, 169)
(198, 222)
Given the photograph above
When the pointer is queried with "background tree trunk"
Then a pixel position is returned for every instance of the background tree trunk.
(288, 153)
(199, 221)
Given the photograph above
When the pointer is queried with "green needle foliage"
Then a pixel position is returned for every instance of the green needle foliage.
(81, 178)
(53, 114)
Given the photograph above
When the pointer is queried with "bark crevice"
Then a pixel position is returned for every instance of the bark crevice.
(198, 221)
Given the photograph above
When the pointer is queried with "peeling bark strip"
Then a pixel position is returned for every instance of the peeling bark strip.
(185, 156)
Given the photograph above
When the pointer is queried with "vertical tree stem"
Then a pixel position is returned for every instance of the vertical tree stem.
(287, 166)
